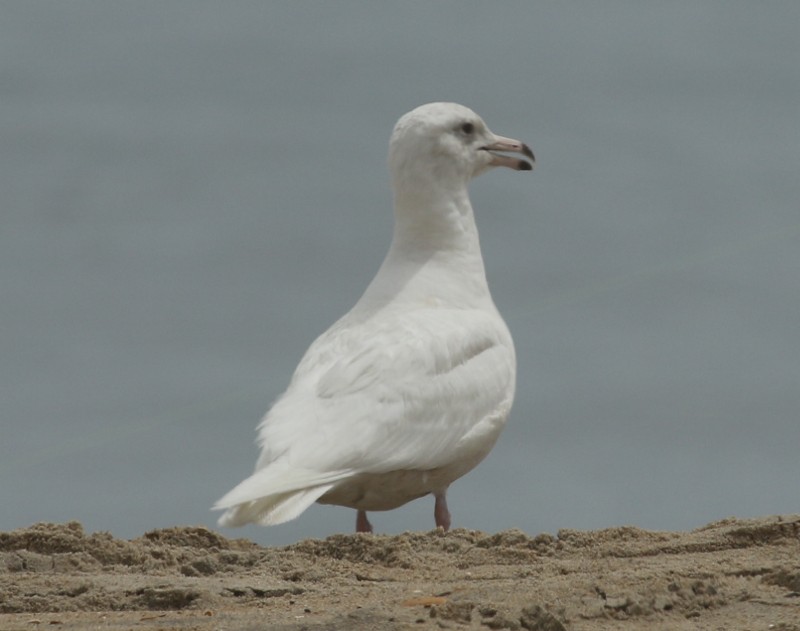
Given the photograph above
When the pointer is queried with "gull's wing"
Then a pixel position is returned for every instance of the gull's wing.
(416, 391)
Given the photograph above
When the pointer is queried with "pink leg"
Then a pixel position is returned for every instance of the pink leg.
(362, 523)
(440, 512)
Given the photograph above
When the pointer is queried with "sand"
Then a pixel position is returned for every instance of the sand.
(731, 574)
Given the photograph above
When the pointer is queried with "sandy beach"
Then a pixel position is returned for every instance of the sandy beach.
(730, 574)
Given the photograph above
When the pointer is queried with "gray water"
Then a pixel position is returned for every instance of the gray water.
(192, 191)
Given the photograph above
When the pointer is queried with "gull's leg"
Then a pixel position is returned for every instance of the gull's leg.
(362, 523)
(440, 512)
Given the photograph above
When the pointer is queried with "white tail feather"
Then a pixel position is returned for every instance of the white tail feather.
(274, 481)
(272, 509)
(274, 495)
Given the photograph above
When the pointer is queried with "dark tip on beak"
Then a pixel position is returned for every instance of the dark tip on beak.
(525, 166)
(526, 151)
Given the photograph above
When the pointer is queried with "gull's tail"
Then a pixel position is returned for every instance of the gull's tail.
(271, 497)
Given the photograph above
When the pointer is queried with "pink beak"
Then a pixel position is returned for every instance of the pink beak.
(515, 146)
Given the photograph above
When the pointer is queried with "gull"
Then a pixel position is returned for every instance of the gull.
(411, 388)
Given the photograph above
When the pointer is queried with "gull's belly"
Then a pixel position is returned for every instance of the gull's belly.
(386, 491)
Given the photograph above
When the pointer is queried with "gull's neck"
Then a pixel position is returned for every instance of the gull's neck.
(435, 257)
(435, 220)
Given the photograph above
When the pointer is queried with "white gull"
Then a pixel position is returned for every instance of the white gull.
(409, 390)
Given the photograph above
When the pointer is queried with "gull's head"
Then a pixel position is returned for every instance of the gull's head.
(449, 144)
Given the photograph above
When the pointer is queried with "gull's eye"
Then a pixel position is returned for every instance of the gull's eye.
(467, 128)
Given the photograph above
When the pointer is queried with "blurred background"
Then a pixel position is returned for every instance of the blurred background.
(193, 191)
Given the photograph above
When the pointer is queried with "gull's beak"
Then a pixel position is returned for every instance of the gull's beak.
(501, 143)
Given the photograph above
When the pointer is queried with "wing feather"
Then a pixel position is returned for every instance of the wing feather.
(414, 392)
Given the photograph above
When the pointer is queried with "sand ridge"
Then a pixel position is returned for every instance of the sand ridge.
(731, 574)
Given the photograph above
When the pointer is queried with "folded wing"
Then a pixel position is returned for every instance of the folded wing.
(415, 392)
